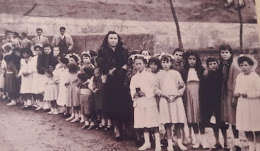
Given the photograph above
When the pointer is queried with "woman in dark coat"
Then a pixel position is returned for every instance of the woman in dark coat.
(112, 60)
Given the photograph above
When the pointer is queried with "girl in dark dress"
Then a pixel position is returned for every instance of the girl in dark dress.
(112, 60)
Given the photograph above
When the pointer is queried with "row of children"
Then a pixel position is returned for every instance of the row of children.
(164, 88)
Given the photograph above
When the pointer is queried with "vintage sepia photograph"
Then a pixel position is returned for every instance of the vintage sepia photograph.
(129, 75)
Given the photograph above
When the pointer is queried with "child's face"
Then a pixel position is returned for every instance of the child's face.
(17, 53)
(166, 65)
(139, 65)
(192, 61)
(245, 67)
(71, 60)
(153, 67)
(212, 66)
(86, 60)
(145, 53)
(38, 52)
(26, 55)
(47, 50)
(178, 56)
(56, 51)
(225, 54)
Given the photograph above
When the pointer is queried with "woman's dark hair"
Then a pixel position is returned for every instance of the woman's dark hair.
(73, 68)
(105, 41)
(245, 59)
(64, 60)
(49, 71)
(198, 64)
(155, 61)
(211, 59)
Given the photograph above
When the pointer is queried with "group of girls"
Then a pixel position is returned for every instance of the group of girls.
(46, 80)
(168, 92)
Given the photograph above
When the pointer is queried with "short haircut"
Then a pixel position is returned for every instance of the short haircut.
(155, 61)
(39, 29)
(24, 34)
(62, 28)
(83, 76)
(178, 50)
(8, 32)
(166, 58)
(211, 59)
(16, 34)
(245, 59)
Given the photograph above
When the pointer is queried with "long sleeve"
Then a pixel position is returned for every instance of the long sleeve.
(133, 85)
(70, 43)
(180, 84)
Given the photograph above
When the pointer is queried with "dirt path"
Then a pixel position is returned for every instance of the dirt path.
(27, 130)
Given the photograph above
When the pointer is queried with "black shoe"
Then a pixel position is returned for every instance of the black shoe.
(217, 147)
(226, 148)
(119, 138)
(108, 128)
(237, 148)
(66, 115)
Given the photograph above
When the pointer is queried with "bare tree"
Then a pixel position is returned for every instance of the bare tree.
(176, 24)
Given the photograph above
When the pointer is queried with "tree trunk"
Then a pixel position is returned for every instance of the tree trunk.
(177, 25)
(241, 31)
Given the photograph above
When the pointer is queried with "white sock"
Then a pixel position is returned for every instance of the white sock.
(251, 146)
(103, 122)
(157, 141)
(146, 138)
(109, 122)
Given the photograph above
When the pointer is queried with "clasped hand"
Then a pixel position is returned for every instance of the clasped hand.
(244, 95)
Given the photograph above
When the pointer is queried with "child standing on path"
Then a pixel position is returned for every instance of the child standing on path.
(247, 91)
(145, 107)
(170, 87)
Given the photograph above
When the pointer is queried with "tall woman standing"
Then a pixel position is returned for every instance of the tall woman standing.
(112, 61)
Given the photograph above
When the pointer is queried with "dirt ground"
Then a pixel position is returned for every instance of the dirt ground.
(28, 130)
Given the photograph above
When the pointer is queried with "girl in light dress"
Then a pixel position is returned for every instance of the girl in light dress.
(247, 92)
(39, 78)
(73, 100)
(170, 87)
(62, 73)
(27, 77)
(51, 91)
(146, 113)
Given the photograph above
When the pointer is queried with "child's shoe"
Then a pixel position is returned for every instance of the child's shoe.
(51, 112)
(181, 146)
(82, 119)
(204, 143)
(196, 145)
(86, 125)
(70, 118)
(145, 146)
(170, 145)
(76, 119)
(91, 126)
(39, 107)
(55, 112)
(12, 103)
